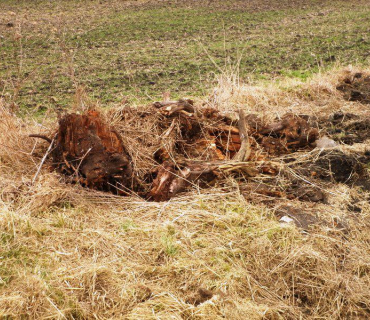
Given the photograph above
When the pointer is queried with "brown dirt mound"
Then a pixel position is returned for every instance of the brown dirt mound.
(336, 166)
(356, 87)
(346, 128)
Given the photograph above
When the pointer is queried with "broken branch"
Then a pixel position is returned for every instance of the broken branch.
(245, 148)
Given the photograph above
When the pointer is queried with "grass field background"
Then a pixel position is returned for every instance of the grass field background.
(136, 50)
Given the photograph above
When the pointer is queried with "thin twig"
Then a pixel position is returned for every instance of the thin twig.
(41, 136)
(43, 160)
(82, 159)
(56, 308)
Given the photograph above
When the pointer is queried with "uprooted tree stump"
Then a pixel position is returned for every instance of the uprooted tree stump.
(91, 152)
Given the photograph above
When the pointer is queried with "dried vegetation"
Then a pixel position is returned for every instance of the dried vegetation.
(278, 231)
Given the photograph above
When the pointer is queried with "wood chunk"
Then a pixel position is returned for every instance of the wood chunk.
(289, 134)
(88, 149)
(245, 147)
(172, 179)
(170, 108)
(205, 149)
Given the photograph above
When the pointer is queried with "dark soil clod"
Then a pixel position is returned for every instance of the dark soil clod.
(304, 220)
(346, 128)
(356, 88)
(336, 166)
(200, 297)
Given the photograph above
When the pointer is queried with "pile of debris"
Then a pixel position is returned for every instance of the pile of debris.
(162, 150)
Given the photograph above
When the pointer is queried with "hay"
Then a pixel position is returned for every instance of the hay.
(71, 252)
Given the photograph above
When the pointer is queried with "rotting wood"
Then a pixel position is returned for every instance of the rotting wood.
(92, 153)
(171, 179)
(290, 133)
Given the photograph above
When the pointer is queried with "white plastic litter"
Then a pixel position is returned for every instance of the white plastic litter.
(286, 219)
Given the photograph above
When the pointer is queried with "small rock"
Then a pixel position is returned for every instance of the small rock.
(325, 143)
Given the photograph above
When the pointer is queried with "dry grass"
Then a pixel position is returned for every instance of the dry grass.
(68, 252)
(316, 96)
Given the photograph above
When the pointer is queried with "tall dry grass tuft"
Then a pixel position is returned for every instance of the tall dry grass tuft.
(16, 148)
(316, 95)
